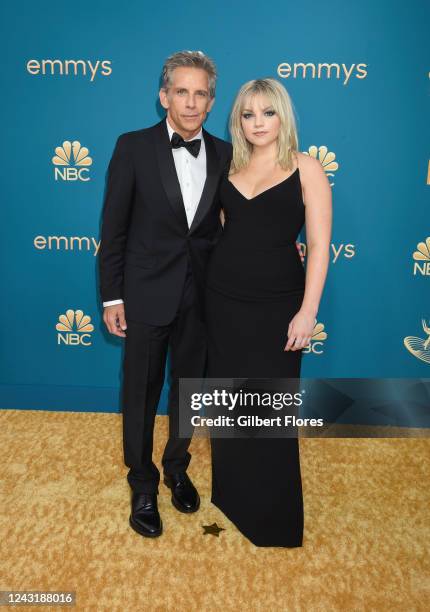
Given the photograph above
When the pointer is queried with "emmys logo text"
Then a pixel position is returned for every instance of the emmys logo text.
(74, 68)
(300, 70)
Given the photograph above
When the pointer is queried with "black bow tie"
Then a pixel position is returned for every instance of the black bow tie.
(193, 146)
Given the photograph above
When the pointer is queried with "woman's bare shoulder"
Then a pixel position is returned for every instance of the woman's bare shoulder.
(308, 166)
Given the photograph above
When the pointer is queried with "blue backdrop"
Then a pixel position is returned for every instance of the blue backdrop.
(81, 74)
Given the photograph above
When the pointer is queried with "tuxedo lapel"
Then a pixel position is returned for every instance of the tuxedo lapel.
(212, 176)
(169, 178)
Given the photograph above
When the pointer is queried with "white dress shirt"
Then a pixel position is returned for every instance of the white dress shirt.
(191, 172)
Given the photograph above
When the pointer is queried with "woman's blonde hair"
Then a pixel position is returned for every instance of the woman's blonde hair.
(282, 105)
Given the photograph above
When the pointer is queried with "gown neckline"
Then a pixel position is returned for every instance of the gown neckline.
(266, 190)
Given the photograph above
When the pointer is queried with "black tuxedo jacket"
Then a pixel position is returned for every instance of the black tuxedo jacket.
(145, 240)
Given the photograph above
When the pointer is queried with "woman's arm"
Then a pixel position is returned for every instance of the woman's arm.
(318, 217)
(318, 210)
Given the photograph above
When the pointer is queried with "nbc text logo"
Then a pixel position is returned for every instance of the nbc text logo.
(419, 347)
(76, 327)
(316, 344)
(71, 162)
(422, 255)
(326, 157)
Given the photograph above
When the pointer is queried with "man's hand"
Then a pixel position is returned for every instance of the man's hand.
(302, 257)
(114, 318)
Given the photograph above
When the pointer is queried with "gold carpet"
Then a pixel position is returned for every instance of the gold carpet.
(65, 505)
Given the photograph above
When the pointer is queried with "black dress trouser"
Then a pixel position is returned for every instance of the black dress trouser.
(144, 365)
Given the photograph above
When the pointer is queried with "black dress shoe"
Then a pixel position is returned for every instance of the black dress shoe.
(144, 517)
(184, 494)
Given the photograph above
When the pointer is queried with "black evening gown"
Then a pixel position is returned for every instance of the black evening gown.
(255, 286)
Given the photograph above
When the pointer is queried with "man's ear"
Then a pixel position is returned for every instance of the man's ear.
(163, 98)
(211, 103)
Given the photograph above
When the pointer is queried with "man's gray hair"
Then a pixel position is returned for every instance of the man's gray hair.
(191, 59)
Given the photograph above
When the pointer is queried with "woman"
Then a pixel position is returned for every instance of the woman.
(260, 305)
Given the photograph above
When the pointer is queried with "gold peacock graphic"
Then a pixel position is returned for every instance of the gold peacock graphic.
(423, 251)
(319, 333)
(74, 320)
(72, 154)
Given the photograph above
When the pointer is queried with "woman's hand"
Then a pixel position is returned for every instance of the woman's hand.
(300, 331)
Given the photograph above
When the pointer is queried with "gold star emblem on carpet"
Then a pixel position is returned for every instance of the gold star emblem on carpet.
(212, 529)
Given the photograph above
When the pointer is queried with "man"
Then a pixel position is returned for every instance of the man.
(160, 221)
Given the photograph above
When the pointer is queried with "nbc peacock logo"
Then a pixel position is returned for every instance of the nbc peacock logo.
(71, 162)
(74, 328)
(326, 157)
(422, 258)
(419, 347)
(316, 345)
